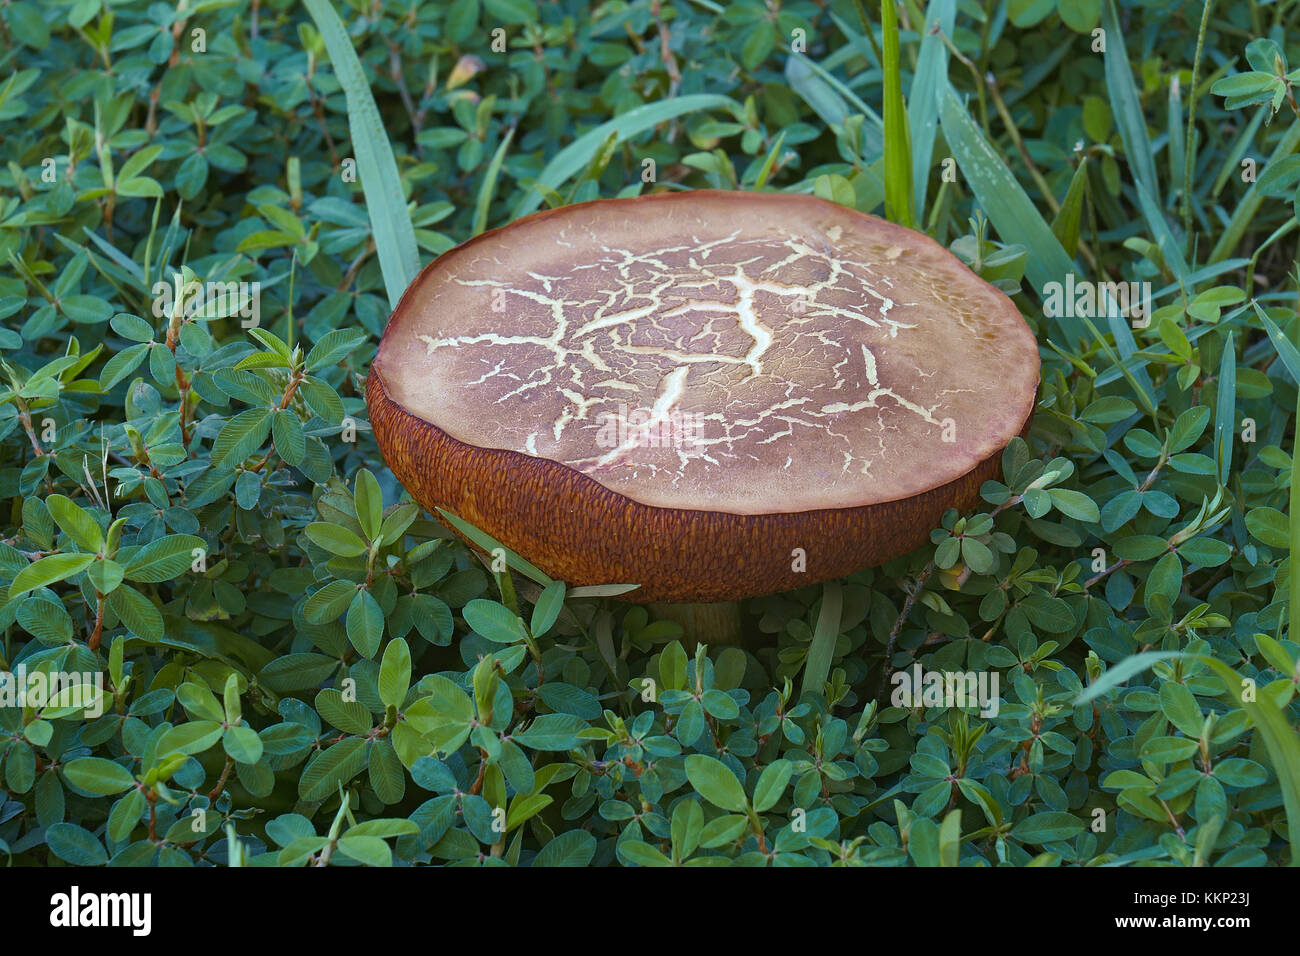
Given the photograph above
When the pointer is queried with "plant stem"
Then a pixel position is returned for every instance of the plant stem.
(912, 595)
(1190, 152)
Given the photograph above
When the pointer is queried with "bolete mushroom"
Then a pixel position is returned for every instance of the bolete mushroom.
(715, 395)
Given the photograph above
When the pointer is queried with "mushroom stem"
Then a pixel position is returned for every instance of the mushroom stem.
(713, 624)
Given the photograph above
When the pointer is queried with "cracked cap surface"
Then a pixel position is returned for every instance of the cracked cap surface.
(722, 358)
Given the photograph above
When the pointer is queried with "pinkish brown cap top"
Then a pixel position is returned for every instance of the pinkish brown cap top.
(727, 353)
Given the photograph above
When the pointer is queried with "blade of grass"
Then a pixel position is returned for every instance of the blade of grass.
(1244, 215)
(1169, 247)
(1126, 344)
(1177, 156)
(1114, 676)
(601, 590)
(923, 106)
(1126, 106)
(1141, 389)
(765, 170)
(1004, 201)
(816, 92)
(595, 169)
(1287, 353)
(1226, 409)
(390, 220)
(489, 544)
(575, 157)
(148, 243)
(829, 80)
(112, 271)
(118, 259)
(1066, 224)
(1293, 519)
(898, 145)
(1277, 234)
(822, 649)
(1199, 276)
(489, 184)
(865, 46)
(1074, 360)
(1232, 161)
(170, 239)
(1127, 109)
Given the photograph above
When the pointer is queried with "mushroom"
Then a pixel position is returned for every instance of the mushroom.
(715, 395)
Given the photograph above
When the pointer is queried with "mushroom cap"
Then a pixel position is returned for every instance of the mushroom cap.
(712, 394)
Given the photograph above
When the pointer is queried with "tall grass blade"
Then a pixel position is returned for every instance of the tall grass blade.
(1141, 388)
(1118, 674)
(1285, 351)
(1177, 145)
(1125, 104)
(923, 106)
(1293, 589)
(1127, 108)
(1226, 409)
(390, 220)
(765, 171)
(488, 544)
(1232, 161)
(489, 184)
(1244, 215)
(1169, 247)
(802, 72)
(1127, 345)
(1066, 224)
(828, 104)
(1004, 201)
(898, 144)
(1199, 276)
(820, 653)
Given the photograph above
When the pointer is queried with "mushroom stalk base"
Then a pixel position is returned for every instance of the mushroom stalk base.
(719, 624)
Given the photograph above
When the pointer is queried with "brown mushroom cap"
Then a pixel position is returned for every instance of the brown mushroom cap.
(690, 391)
